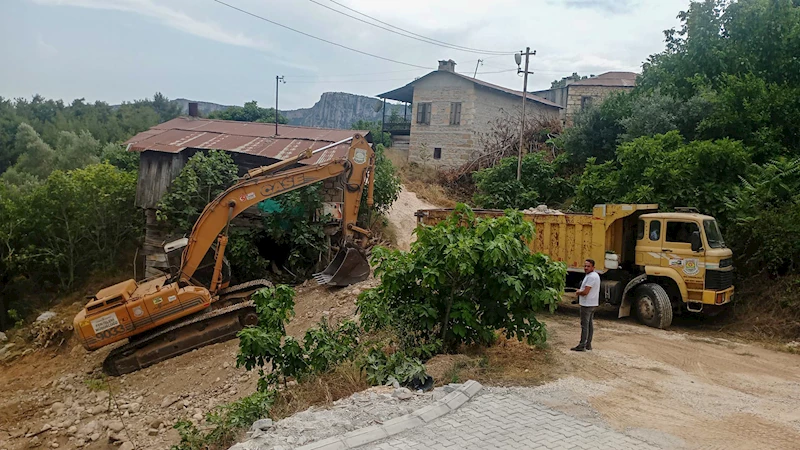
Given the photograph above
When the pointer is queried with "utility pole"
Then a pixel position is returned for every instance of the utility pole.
(518, 59)
(278, 79)
(479, 63)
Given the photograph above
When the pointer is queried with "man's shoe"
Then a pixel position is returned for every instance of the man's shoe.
(578, 348)
(588, 348)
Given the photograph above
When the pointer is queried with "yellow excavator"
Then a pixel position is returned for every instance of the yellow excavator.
(166, 316)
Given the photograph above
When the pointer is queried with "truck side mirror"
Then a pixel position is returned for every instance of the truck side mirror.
(697, 244)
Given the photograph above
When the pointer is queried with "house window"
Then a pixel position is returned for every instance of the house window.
(437, 153)
(424, 113)
(455, 113)
(586, 102)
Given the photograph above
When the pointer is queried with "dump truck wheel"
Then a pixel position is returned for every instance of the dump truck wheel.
(653, 307)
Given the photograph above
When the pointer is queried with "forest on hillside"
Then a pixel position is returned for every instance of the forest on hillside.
(713, 123)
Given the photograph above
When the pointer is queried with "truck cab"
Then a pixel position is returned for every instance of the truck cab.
(687, 248)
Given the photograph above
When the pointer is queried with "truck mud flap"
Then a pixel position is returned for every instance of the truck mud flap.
(348, 267)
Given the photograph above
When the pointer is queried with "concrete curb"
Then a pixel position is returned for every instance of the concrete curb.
(420, 417)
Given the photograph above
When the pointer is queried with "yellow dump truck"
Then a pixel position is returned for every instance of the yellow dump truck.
(657, 262)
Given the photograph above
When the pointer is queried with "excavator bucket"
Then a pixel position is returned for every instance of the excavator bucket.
(348, 267)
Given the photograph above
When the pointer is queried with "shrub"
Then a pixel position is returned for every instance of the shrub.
(498, 187)
(464, 279)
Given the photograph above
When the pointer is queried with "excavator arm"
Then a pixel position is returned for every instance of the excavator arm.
(264, 183)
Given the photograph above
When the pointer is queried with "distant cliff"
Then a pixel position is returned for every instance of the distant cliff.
(339, 110)
(333, 110)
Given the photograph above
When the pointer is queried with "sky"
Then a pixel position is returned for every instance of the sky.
(120, 50)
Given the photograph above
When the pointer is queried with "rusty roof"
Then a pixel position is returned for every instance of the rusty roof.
(252, 138)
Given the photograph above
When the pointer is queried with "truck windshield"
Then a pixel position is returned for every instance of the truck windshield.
(713, 234)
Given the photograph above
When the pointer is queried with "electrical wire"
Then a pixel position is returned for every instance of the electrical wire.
(454, 46)
(303, 81)
(409, 35)
(318, 38)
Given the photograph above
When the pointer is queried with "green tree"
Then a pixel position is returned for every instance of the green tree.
(555, 84)
(201, 180)
(463, 280)
(665, 170)
(378, 136)
(498, 187)
(251, 112)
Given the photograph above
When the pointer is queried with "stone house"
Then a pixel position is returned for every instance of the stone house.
(452, 111)
(577, 95)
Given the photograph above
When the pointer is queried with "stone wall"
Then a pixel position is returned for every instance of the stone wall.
(479, 107)
(597, 93)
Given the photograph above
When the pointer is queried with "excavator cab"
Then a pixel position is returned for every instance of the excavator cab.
(349, 266)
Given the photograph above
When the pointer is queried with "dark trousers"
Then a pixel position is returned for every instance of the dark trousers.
(587, 325)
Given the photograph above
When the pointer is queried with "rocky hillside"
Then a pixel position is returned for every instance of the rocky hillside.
(333, 110)
(338, 110)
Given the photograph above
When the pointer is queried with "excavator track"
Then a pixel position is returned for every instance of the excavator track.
(220, 322)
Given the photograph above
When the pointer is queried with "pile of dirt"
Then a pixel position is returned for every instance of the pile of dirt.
(401, 217)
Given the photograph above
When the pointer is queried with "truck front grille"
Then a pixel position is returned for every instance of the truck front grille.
(718, 280)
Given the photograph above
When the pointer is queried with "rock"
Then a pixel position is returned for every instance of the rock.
(226, 365)
(168, 401)
(58, 407)
(94, 437)
(102, 397)
(116, 426)
(89, 428)
(115, 437)
(186, 403)
(134, 407)
(54, 445)
(156, 423)
(126, 446)
(261, 424)
(152, 432)
(45, 316)
(72, 430)
(45, 427)
(402, 394)
(198, 417)
(80, 442)
(3, 337)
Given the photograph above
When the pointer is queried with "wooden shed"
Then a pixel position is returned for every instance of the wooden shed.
(165, 148)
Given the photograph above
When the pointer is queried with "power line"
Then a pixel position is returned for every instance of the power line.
(318, 38)
(475, 50)
(375, 80)
(409, 34)
(359, 74)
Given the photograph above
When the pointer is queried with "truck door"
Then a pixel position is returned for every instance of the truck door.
(678, 254)
(648, 243)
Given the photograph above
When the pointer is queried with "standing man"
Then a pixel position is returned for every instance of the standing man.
(589, 298)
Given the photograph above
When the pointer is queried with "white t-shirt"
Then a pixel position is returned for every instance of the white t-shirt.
(593, 297)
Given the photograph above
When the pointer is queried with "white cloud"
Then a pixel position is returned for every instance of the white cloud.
(170, 17)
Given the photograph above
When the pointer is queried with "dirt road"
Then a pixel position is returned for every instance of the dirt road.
(401, 216)
(678, 388)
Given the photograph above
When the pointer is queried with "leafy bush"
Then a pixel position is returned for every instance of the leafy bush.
(498, 188)
(203, 178)
(398, 366)
(266, 344)
(765, 212)
(387, 182)
(378, 137)
(464, 279)
(251, 112)
(665, 170)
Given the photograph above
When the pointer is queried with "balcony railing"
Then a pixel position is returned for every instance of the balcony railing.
(402, 128)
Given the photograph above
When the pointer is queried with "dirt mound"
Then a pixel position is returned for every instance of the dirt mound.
(401, 217)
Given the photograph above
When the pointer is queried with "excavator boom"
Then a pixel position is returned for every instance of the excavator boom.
(165, 316)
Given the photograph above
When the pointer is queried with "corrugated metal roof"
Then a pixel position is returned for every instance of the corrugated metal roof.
(610, 79)
(406, 92)
(252, 138)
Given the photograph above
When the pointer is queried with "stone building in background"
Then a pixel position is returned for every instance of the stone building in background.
(451, 111)
(577, 95)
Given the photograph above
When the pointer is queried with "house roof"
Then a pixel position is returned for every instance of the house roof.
(406, 93)
(610, 79)
(252, 138)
